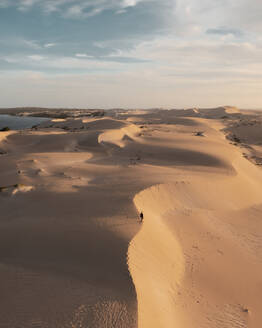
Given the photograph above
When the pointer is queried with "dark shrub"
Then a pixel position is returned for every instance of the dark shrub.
(6, 128)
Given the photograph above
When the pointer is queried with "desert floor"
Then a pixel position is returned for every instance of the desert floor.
(73, 252)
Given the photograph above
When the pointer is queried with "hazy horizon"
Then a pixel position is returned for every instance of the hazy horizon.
(124, 108)
(130, 53)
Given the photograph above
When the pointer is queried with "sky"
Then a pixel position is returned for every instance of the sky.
(131, 53)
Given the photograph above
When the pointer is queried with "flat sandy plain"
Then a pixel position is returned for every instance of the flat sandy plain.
(72, 251)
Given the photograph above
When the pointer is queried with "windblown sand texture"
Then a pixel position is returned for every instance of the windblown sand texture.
(72, 251)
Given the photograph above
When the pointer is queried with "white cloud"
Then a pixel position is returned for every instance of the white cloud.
(130, 3)
(83, 56)
(36, 58)
(49, 45)
(25, 43)
(73, 8)
(82, 63)
(24, 5)
(184, 15)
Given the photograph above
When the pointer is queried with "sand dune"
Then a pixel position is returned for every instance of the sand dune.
(197, 260)
(119, 137)
(72, 250)
(217, 112)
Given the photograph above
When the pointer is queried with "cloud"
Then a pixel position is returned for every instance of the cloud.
(24, 5)
(62, 64)
(225, 31)
(95, 7)
(73, 8)
(36, 58)
(49, 45)
(83, 56)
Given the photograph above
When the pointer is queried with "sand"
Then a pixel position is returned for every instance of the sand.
(73, 252)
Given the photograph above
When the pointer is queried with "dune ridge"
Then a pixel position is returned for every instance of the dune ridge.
(152, 253)
(196, 260)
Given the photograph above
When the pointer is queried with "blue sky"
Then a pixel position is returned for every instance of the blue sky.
(130, 53)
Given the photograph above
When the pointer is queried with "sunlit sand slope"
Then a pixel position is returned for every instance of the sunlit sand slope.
(197, 260)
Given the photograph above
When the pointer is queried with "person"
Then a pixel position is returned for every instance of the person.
(141, 216)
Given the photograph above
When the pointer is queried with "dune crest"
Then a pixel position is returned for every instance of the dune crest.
(156, 262)
(119, 137)
(197, 258)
